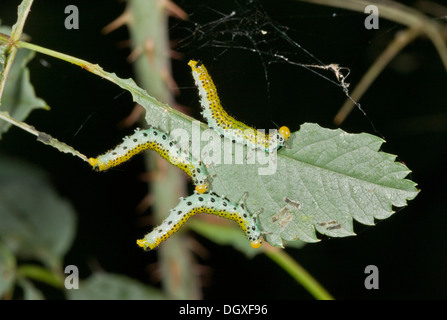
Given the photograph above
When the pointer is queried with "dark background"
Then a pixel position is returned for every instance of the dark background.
(405, 105)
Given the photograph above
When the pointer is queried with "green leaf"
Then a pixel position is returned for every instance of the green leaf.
(19, 98)
(35, 221)
(108, 286)
(329, 178)
(7, 269)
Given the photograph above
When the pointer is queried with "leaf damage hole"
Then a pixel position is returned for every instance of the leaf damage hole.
(282, 217)
(330, 225)
(292, 203)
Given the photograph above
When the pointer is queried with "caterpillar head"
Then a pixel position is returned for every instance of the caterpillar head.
(142, 243)
(255, 237)
(203, 188)
(255, 244)
(253, 232)
(285, 132)
(194, 64)
(96, 164)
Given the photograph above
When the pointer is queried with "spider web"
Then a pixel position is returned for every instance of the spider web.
(245, 25)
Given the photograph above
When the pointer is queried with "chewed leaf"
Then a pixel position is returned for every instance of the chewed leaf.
(324, 179)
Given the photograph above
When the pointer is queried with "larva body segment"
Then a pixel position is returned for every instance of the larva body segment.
(210, 203)
(161, 143)
(219, 120)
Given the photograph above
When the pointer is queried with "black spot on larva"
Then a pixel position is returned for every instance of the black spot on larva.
(224, 204)
(169, 222)
(213, 200)
(124, 148)
(171, 144)
(179, 213)
(114, 153)
(245, 215)
(242, 206)
(189, 203)
(155, 133)
(163, 137)
(253, 228)
(198, 170)
(200, 199)
(145, 134)
(160, 230)
(221, 135)
(135, 140)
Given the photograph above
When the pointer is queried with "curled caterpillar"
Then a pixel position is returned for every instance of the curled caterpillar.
(161, 143)
(205, 203)
(219, 120)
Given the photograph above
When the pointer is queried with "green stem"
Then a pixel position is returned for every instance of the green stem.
(6, 117)
(298, 273)
(149, 38)
(23, 11)
(16, 33)
(41, 274)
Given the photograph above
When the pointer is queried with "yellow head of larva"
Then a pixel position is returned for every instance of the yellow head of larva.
(96, 164)
(255, 244)
(198, 67)
(142, 243)
(285, 132)
(202, 188)
(192, 63)
(93, 161)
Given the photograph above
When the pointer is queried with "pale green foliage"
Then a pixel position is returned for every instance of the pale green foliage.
(334, 176)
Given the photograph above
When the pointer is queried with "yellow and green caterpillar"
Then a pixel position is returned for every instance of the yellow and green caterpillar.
(161, 143)
(205, 203)
(219, 120)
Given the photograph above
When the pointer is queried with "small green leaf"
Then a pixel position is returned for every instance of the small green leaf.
(35, 221)
(108, 286)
